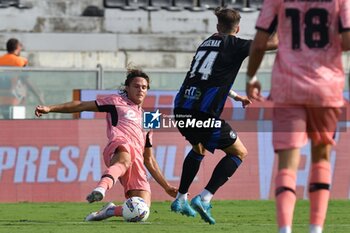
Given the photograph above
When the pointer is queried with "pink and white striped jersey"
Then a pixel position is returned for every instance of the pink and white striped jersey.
(124, 121)
(308, 67)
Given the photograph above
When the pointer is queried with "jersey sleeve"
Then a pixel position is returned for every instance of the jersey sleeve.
(245, 47)
(344, 16)
(107, 103)
(267, 20)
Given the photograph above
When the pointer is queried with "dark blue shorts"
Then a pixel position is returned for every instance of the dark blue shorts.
(218, 134)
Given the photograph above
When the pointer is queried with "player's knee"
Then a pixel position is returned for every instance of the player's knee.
(199, 149)
(242, 153)
(238, 150)
(126, 163)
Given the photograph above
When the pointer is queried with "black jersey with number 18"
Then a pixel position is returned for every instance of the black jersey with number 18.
(213, 71)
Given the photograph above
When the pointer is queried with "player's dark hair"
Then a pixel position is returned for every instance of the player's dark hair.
(11, 45)
(130, 75)
(133, 73)
(228, 18)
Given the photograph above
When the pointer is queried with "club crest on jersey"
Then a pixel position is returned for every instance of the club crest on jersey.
(151, 120)
(233, 135)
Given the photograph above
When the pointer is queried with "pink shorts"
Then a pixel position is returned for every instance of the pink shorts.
(135, 178)
(294, 124)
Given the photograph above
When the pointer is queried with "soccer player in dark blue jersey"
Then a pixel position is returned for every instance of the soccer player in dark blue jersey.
(198, 106)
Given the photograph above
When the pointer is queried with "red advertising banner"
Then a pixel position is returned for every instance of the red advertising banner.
(61, 160)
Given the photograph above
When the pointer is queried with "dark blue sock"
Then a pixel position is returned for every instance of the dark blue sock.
(190, 169)
(223, 170)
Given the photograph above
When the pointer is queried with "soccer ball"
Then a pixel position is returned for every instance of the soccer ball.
(135, 209)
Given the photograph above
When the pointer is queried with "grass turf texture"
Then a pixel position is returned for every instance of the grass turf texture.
(231, 216)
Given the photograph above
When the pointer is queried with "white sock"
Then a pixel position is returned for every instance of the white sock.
(181, 196)
(101, 190)
(206, 196)
(315, 228)
(285, 229)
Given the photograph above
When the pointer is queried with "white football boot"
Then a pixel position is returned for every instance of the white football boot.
(101, 214)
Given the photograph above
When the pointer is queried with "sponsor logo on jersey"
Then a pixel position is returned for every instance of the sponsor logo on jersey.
(192, 93)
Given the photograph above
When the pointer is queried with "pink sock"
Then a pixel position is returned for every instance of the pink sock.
(285, 197)
(111, 175)
(320, 180)
(118, 211)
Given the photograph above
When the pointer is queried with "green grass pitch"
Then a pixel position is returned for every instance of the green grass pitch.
(231, 216)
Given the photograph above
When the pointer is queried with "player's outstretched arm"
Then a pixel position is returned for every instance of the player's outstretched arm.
(70, 107)
(153, 168)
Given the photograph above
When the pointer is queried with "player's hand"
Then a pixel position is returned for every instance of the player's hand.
(253, 91)
(245, 101)
(40, 110)
(172, 191)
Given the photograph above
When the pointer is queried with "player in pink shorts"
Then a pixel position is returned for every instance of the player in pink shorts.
(307, 89)
(129, 149)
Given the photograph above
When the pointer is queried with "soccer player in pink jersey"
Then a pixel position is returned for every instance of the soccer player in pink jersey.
(129, 148)
(307, 90)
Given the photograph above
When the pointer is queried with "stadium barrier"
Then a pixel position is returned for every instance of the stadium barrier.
(56, 85)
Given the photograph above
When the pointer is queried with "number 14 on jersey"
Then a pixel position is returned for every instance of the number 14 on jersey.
(206, 61)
